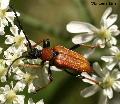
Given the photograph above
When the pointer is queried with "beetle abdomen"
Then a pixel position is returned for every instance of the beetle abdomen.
(71, 60)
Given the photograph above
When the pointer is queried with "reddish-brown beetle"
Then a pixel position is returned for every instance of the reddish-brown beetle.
(64, 58)
(58, 56)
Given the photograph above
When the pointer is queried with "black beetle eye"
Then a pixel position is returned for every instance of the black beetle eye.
(55, 53)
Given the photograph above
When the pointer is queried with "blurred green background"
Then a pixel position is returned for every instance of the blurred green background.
(47, 19)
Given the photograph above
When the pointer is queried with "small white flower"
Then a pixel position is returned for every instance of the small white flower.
(11, 54)
(106, 82)
(24, 79)
(113, 59)
(30, 101)
(35, 76)
(18, 39)
(101, 36)
(3, 70)
(9, 96)
(5, 16)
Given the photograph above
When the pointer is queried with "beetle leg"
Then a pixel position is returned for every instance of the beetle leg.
(75, 47)
(29, 65)
(46, 43)
(33, 46)
(75, 75)
(88, 46)
(71, 73)
(84, 45)
(50, 72)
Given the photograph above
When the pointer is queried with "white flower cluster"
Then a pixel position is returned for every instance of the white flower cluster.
(106, 78)
(20, 76)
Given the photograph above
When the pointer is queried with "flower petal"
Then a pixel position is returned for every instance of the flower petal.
(19, 99)
(116, 86)
(107, 12)
(80, 27)
(116, 33)
(88, 78)
(107, 58)
(89, 91)
(115, 74)
(83, 38)
(30, 101)
(4, 4)
(111, 65)
(3, 79)
(55, 68)
(40, 102)
(31, 88)
(10, 14)
(2, 99)
(105, 15)
(2, 31)
(111, 19)
(14, 30)
(19, 86)
(99, 42)
(114, 50)
(98, 69)
(112, 41)
(4, 22)
(113, 29)
(119, 64)
(10, 17)
(108, 92)
(9, 39)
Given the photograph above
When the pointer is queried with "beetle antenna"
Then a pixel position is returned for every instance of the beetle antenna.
(12, 64)
(20, 26)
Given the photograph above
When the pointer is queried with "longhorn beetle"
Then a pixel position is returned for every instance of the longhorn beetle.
(58, 56)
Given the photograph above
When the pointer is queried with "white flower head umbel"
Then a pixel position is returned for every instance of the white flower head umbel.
(5, 16)
(9, 96)
(18, 40)
(114, 59)
(106, 82)
(100, 36)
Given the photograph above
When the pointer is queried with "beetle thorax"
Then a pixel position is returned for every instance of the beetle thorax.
(46, 54)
